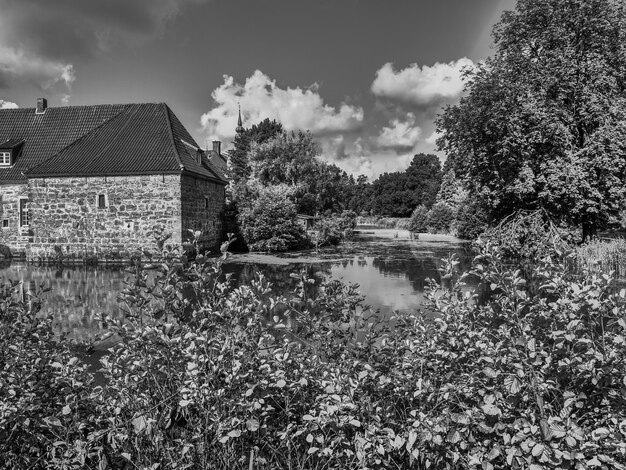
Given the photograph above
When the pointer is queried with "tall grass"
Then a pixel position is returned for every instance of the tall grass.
(603, 256)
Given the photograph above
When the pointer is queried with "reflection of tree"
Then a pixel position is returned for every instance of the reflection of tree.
(417, 267)
(279, 275)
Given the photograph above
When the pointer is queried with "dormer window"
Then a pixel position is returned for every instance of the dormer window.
(5, 158)
(9, 151)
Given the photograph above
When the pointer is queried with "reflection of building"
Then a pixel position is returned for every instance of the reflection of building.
(98, 179)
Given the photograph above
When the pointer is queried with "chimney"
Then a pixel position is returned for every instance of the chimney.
(217, 147)
(42, 105)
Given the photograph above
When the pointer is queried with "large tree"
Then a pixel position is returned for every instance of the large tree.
(257, 134)
(397, 194)
(543, 122)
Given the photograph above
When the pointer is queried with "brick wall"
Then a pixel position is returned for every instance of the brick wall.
(202, 210)
(65, 214)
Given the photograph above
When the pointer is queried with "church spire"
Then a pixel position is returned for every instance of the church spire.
(239, 128)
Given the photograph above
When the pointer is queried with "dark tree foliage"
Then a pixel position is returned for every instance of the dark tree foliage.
(424, 178)
(258, 133)
(543, 124)
(397, 194)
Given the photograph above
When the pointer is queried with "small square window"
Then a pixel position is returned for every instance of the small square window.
(102, 201)
(5, 223)
(5, 158)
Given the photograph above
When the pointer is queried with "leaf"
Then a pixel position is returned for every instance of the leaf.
(491, 410)
(234, 433)
(489, 372)
(66, 410)
(537, 449)
(454, 436)
(126, 455)
(308, 418)
(557, 430)
(512, 384)
(52, 421)
(252, 424)
(355, 422)
(140, 424)
(312, 450)
(281, 383)
(600, 433)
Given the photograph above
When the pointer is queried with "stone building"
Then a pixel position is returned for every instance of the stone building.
(101, 180)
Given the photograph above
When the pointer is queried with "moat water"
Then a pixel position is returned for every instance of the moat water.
(391, 274)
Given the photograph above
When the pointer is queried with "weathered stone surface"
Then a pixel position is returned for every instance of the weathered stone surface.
(202, 210)
(66, 220)
(64, 212)
(11, 236)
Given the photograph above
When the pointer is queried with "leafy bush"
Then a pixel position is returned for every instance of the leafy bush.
(470, 221)
(328, 231)
(208, 375)
(332, 230)
(418, 223)
(440, 217)
(527, 236)
(267, 218)
(46, 395)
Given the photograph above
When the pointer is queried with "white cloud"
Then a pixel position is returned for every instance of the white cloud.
(400, 134)
(424, 86)
(294, 108)
(7, 105)
(16, 64)
(432, 140)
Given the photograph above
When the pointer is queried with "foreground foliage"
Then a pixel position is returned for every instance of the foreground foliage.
(529, 372)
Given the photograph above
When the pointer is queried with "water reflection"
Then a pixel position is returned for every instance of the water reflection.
(391, 274)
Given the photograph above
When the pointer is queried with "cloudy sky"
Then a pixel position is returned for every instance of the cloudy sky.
(366, 77)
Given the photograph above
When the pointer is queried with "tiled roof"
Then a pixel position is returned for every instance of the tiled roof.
(11, 143)
(46, 134)
(109, 140)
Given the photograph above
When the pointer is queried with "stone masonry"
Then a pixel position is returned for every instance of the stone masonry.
(202, 210)
(11, 236)
(66, 217)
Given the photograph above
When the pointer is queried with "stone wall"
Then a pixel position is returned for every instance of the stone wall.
(11, 236)
(202, 210)
(66, 217)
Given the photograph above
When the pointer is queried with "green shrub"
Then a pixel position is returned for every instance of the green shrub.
(418, 223)
(470, 221)
(328, 231)
(209, 375)
(268, 222)
(47, 397)
(440, 217)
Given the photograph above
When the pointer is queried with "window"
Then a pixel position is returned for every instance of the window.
(5, 158)
(5, 223)
(206, 202)
(102, 201)
(23, 213)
